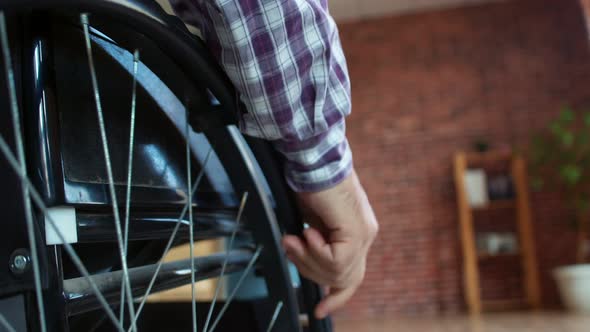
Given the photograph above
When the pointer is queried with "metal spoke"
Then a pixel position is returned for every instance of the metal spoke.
(236, 288)
(228, 247)
(190, 225)
(129, 176)
(99, 113)
(6, 324)
(275, 316)
(34, 194)
(172, 236)
(23, 167)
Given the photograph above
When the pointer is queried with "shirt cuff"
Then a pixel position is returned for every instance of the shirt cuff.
(319, 162)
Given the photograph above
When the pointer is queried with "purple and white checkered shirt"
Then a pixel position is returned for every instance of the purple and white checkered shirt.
(285, 58)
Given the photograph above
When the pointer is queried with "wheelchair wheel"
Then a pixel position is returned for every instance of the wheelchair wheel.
(118, 143)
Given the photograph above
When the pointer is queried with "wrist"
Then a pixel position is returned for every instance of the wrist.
(345, 205)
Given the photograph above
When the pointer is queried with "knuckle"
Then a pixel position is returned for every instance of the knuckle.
(372, 230)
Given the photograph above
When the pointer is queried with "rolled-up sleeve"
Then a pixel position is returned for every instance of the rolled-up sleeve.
(286, 60)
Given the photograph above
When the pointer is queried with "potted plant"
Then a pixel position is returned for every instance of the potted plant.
(559, 159)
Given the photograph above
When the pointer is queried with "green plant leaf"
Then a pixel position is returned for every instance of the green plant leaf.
(567, 116)
(570, 174)
(567, 138)
(584, 138)
(556, 128)
(582, 204)
(559, 159)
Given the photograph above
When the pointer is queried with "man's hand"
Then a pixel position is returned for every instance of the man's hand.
(334, 248)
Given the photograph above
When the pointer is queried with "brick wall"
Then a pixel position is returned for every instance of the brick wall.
(426, 85)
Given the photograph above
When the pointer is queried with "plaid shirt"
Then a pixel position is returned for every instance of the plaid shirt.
(285, 58)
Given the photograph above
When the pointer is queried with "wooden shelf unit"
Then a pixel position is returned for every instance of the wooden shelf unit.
(499, 204)
(526, 250)
(486, 256)
(504, 304)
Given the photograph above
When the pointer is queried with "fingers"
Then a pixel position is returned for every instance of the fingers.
(338, 265)
(315, 248)
(293, 245)
(298, 253)
(336, 299)
(309, 272)
(317, 245)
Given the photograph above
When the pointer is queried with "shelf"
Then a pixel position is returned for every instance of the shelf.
(487, 157)
(501, 305)
(486, 256)
(498, 204)
(519, 207)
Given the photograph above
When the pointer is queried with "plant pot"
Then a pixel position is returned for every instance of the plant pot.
(573, 282)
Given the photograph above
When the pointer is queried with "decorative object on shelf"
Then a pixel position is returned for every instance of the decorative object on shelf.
(476, 186)
(560, 160)
(492, 243)
(481, 145)
(500, 187)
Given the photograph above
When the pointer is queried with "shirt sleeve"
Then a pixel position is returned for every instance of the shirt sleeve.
(286, 60)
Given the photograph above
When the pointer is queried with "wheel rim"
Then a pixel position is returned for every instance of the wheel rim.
(220, 142)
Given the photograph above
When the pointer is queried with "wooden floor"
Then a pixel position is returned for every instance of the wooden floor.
(521, 322)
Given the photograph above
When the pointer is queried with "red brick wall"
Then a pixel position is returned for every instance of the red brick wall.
(426, 85)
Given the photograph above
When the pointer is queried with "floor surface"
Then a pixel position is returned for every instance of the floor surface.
(513, 322)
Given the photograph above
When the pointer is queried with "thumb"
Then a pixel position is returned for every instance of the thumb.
(336, 299)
